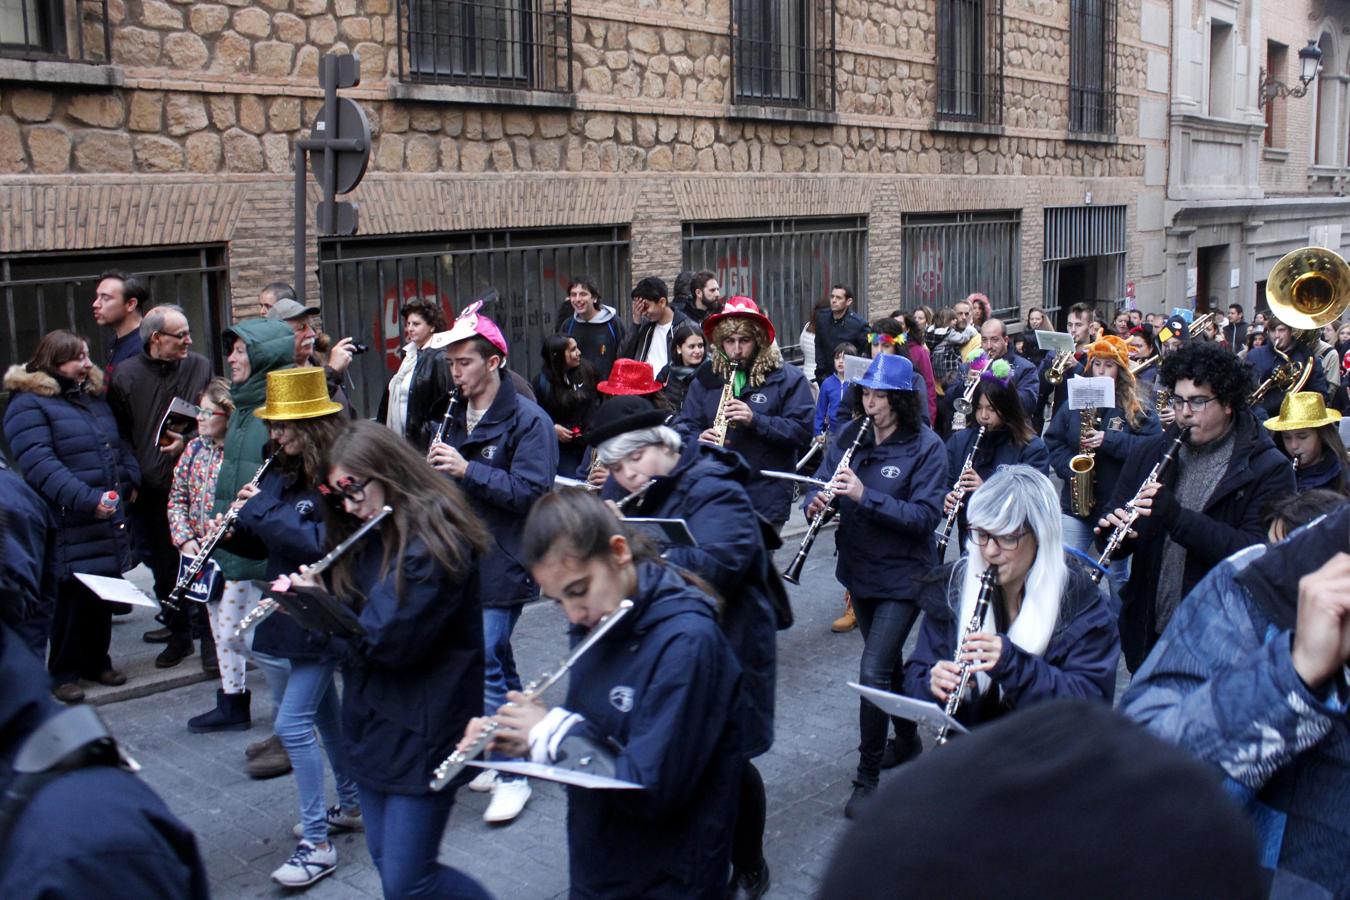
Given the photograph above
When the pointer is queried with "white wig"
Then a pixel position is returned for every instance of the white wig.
(616, 448)
(1015, 497)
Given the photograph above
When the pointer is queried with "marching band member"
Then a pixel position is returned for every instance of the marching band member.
(1113, 436)
(1008, 439)
(889, 496)
(1308, 434)
(281, 518)
(1210, 506)
(771, 408)
(414, 679)
(705, 486)
(1265, 359)
(656, 699)
(501, 449)
(1048, 633)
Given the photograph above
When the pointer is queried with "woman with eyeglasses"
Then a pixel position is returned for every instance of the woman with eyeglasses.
(1211, 501)
(281, 519)
(413, 680)
(1048, 632)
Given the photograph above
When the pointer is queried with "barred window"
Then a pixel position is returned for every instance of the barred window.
(948, 256)
(970, 60)
(783, 52)
(523, 44)
(74, 31)
(1092, 66)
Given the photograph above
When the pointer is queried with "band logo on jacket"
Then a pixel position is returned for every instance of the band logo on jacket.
(621, 698)
(489, 451)
(890, 471)
(304, 508)
(757, 398)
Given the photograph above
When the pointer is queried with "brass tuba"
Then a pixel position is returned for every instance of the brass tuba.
(1308, 288)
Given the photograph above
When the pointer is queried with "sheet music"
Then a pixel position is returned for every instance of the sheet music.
(116, 590)
(855, 367)
(1054, 341)
(921, 711)
(1091, 393)
(558, 774)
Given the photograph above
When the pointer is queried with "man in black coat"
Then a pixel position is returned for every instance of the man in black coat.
(141, 391)
(834, 326)
(653, 341)
(1209, 504)
(1235, 332)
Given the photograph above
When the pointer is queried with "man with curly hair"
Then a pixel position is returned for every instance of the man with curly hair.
(771, 411)
(1209, 504)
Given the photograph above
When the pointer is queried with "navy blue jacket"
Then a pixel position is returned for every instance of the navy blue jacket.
(413, 681)
(707, 489)
(784, 410)
(513, 457)
(284, 522)
(66, 442)
(26, 537)
(1263, 361)
(996, 449)
(1122, 440)
(98, 831)
(1231, 520)
(886, 541)
(1321, 474)
(663, 689)
(1079, 662)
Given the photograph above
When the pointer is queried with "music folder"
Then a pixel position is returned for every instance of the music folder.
(180, 418)
(559, 774)
(923, 712)
(317, 610)
(666, 532)
(116, 590)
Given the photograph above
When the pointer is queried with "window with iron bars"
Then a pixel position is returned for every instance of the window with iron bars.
(948, 256)
(786, 265)
(970, 60)
(40, 292)
(74, 31)
(521, 44)
(783, 53)
(365, 281)
(1092, 66)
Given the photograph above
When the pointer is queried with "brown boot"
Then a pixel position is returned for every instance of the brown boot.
(270, 763)
(848, 621)
(257, 748)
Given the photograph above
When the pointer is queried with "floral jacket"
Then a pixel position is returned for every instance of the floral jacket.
(193, 490)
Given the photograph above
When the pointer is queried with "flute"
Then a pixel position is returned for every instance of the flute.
(268, 606)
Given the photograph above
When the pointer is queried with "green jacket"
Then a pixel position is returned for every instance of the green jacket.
(271, 346)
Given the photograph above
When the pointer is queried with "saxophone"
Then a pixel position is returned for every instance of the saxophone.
(1082, 466)
(988, 579)
(720, 425)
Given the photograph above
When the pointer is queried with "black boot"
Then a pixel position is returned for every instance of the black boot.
(231, 714)
(902, 748)
(862, 792)
(173, 653)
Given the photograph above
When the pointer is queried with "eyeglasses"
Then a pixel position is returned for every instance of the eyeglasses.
(210, 413)
(1004, 541)
(350, 489)
(1197, 404)
(179, 336)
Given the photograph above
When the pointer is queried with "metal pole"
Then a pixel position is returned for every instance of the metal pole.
(298, 278)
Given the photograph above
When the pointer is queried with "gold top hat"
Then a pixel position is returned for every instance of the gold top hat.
(1305, 410)
(297, 394)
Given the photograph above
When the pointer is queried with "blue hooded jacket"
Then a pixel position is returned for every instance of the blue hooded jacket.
(66, 442)
(26, 538)
(706, 489)
(512, 456)
(784, 413)
(663, 688)
(886, 541)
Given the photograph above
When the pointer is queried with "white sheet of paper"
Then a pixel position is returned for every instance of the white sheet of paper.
(1054, 341)
(1091, 393)
(855, 367)
(921, 711)
(563, 776)
(117, 590)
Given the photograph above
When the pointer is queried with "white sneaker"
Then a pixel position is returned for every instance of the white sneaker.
(307, 865)
(484, 781)
(508, 799)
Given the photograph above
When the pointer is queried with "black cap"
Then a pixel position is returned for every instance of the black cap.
(620, 415)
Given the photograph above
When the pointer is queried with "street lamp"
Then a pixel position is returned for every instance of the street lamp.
(1309, 61)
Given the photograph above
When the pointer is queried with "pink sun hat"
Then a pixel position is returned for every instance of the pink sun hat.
(469, 323)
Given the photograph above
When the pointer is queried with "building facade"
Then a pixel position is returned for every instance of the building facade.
(915, 150)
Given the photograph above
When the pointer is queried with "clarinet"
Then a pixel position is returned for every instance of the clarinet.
(449, 413)
(208, 546)
(945, 532)
(1122, 530)
(267, 606)
(793, 572)
(452, 764)
(987, 581)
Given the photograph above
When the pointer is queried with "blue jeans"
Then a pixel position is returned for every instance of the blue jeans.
(403, 833)
(885, 625)
(276, 672)
(311, 701)
(499, 664)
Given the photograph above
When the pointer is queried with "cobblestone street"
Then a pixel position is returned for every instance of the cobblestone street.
(244, 826)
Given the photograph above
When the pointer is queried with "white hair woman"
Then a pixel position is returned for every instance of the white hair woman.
(1048, 632)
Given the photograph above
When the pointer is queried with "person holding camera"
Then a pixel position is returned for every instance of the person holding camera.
(300, 318)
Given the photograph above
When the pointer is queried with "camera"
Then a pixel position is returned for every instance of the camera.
(358, 348)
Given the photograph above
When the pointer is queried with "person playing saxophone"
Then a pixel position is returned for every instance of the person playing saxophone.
(769, 413)
(890, 500)
(1109, 437)
(1048, 632)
